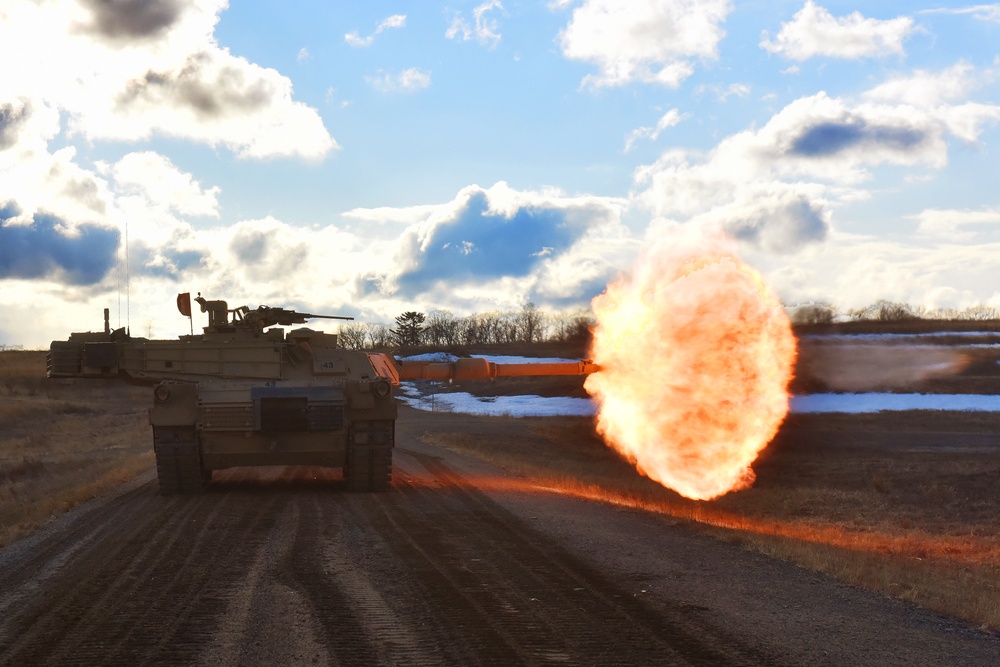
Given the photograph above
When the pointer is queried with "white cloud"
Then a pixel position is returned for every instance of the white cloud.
(38, 180)
(851, 271)
(303, 55)
(814, 31)
(500, 246)
(155, 178)
(356, 40)
(669, 119)
(776, 187)
(647, 41)
(957, 225)
(483, 29)
(990, 13)
(152, 68)
(408, 81)
(923, 88)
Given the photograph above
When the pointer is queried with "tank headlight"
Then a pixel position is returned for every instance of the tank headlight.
(382, 388)
(162, 393)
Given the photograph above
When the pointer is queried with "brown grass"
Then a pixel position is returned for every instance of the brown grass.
(63, 442)
(832, 495)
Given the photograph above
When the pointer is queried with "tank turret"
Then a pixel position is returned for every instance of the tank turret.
(246, 393)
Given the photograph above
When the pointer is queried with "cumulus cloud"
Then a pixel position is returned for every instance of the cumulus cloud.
(354, 39)
(651, 41)
(132, 19)
(40, 180)
(483, 29)
(265, 252)
(44, 246)
(128, 70)
(12, 117)
(408, 81)
(155, 178)
(776, 187)
(779, 221)
(499, 244)
(165, 262)
(855, 133)
(814, 31)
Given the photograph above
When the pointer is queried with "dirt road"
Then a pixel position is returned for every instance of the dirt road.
(455, 566)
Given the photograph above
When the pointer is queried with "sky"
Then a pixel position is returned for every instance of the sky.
(365, 159)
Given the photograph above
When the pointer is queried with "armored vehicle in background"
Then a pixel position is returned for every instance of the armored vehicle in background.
(246, 393)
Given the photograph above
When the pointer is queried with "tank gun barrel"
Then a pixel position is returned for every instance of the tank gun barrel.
(475, 368)
(265, 316)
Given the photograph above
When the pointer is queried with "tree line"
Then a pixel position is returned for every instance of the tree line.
(442, 328)
(531, 325)
(885, 310)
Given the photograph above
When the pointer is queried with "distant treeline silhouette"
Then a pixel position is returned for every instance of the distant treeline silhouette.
(441, 327)
(884, 310)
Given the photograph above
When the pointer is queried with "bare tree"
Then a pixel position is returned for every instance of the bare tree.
(353, 335)
(442, 328)
(572, 326)
(979, 312)
(884, 310)
(813, 313)
(530, 324)
(379, 336)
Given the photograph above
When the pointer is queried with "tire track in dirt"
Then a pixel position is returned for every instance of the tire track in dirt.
(513, 595)
(127, 598)
(272, 568)
(23, 577)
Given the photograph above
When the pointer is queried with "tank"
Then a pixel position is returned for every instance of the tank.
(245, 392)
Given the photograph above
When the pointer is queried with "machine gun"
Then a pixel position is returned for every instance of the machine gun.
(245, 318)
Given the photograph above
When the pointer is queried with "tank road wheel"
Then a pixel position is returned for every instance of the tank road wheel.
(178, 460)
(369, 456)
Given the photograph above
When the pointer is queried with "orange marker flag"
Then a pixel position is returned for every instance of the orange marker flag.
(184, 304)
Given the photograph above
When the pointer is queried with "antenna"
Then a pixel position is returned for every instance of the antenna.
(128, 292)
(118, 278)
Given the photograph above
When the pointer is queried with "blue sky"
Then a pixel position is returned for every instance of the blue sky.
(369, 158)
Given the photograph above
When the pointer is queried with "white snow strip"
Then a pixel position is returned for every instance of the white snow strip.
(548, 406)
(431, 356)
(514, 406)
(500, 359)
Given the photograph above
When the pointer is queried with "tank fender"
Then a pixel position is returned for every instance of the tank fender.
(174, 404)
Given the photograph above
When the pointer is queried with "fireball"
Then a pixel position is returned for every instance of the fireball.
(696, 354)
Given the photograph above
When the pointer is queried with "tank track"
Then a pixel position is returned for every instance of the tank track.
(178, 461)
(369, 456)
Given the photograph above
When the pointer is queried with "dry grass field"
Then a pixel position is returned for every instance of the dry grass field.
(63, 441)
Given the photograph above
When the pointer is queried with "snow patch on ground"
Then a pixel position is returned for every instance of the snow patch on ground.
(546, 406)
(514, 406)
(543, 406)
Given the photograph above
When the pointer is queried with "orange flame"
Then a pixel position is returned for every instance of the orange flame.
(696, 355)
